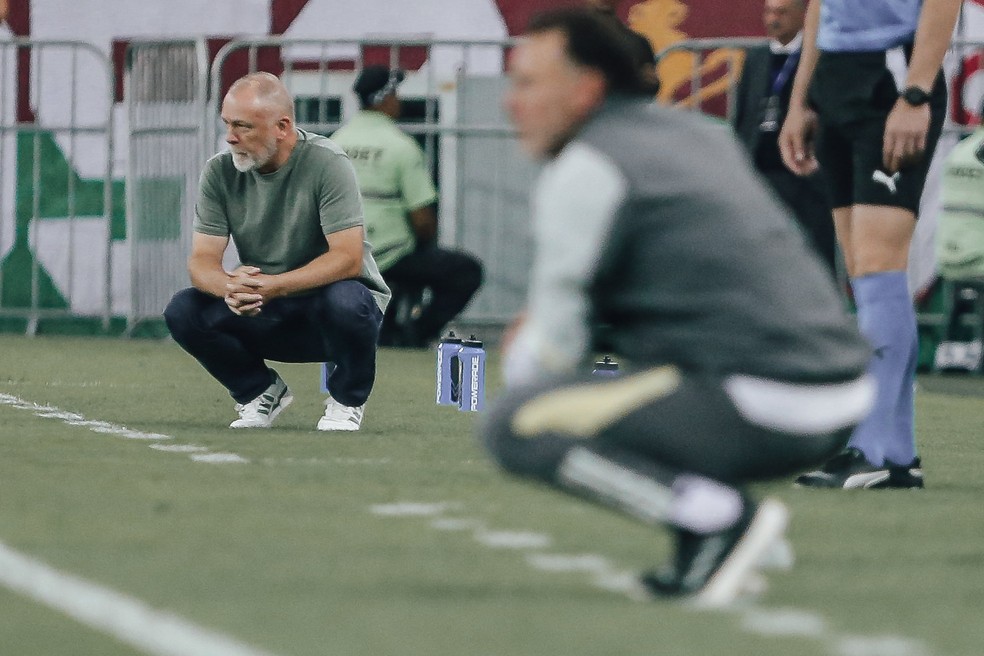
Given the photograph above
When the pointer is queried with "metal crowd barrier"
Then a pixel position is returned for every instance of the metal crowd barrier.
(68, 248)
(166, 86)
(57, 218)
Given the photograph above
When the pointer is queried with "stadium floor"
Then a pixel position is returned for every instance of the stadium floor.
(133, 522)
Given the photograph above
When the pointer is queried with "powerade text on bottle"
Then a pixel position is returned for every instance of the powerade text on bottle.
(471, 367)
(447, 370)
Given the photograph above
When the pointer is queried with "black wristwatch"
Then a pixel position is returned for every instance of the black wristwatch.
(915, 96)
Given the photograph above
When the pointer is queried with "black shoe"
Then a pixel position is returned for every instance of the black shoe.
(713, 569)
(906, 476)
(850, 470)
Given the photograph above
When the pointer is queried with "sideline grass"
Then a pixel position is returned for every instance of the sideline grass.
(283, 552)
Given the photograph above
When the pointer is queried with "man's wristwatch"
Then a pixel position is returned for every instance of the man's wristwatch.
(915, 96)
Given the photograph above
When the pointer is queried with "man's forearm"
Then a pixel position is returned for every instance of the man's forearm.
(936, 23)
(208, 278)
(322, 270)
(808, 55)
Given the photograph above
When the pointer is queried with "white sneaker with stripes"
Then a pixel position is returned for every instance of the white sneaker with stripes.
(340, 417)
(261, 411)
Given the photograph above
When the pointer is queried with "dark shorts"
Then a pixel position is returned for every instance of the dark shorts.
(853, 93)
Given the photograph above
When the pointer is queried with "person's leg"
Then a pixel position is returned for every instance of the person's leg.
(886, 317)
(211, 333)
(882, 223)
(453, 278)
(403, 297)
(635, 444)
(874, 218)
(349, 319)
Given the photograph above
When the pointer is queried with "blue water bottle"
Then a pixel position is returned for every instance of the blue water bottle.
(471, 372)
(605, 368)
(447, 370)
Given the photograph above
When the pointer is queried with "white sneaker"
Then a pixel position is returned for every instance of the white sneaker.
(340, 417)
(261, 411)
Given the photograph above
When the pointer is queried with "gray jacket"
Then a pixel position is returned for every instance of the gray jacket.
(656, 241)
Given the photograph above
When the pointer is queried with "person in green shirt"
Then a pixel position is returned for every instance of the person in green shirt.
(401, 220)
(307, 288)
(960, 251)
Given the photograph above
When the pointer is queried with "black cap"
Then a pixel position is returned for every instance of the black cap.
(375, 79)
(451, 339)
(606, 364)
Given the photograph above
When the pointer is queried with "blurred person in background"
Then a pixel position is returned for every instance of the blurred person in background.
(307, 290)
(761, 101)
(401, 217)
(867, 107)
(741, 363)
(960, 255)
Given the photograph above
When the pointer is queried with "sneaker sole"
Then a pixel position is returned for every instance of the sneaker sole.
(732, 577)
(859, 481)
(345, 427)
(867, 480)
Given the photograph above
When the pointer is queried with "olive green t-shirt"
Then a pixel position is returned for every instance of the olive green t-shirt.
(393, 178)
(279, 220)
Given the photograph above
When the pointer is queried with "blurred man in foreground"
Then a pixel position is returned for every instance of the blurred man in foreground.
(742, 364)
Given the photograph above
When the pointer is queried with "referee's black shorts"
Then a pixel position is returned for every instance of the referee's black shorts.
(853, 93)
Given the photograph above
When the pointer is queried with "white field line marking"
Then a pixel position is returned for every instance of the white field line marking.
(591, 563)
(125, 618)
(178, 448)
(511, 539)
(218, 458)
(602, 573)
(410, 509)
(367, 462)
(885, 645)
(783, 622)
(62, 383)
(456, 524)
(75, 419)
(104, 427)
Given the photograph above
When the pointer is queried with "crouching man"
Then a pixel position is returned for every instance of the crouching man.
(653, 235)
(308, 289)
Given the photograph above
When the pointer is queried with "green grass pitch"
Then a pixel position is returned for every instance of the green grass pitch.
(284, 551)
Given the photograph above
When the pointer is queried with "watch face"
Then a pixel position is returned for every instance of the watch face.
(915, 96)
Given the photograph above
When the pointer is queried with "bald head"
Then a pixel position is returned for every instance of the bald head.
(266, 91)
(259, 115)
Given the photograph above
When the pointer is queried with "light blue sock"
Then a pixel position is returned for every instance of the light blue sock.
(888, 321)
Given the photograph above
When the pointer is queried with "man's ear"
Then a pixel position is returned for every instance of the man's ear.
(591, 89)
